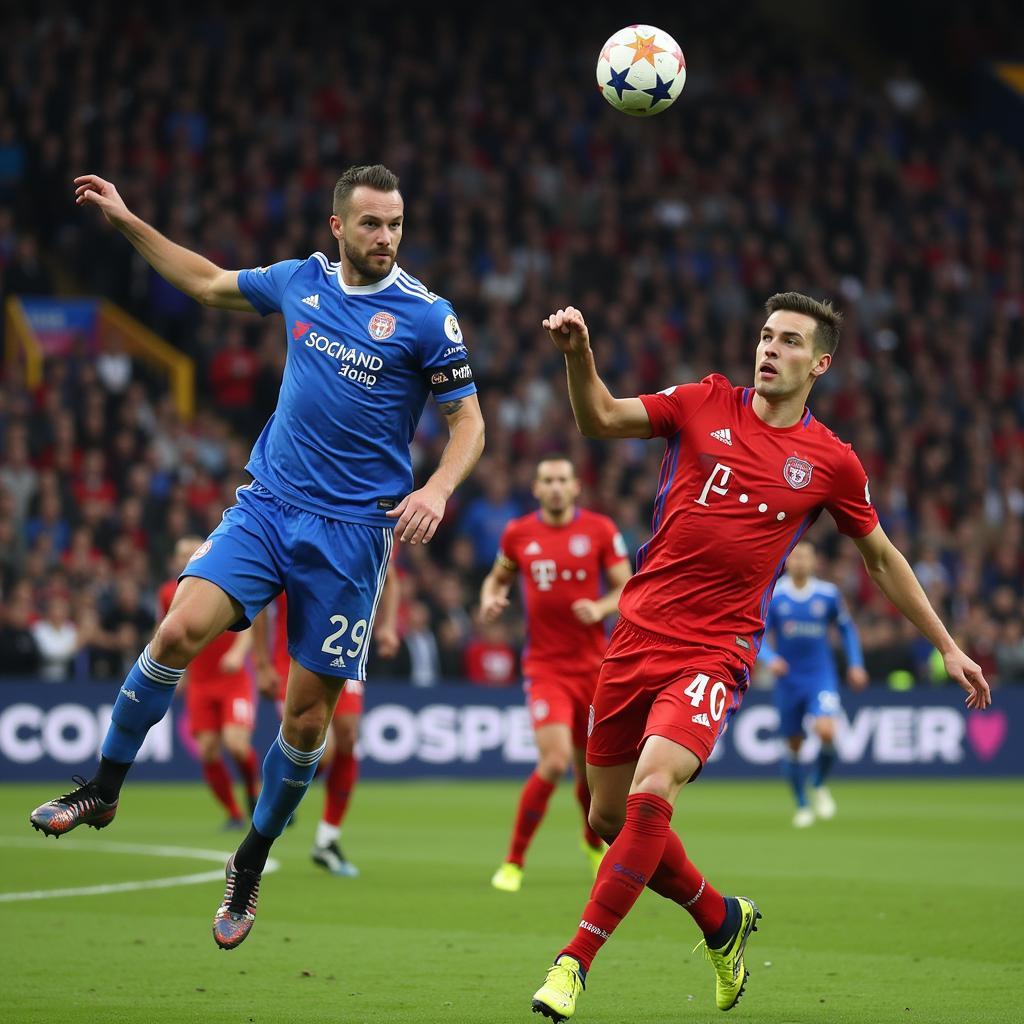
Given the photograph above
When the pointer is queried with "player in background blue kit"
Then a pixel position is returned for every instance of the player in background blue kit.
(799, 616)
(332, 484)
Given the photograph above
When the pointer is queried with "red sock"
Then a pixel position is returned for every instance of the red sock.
(533, 802)
(248, 768)
(341, 780)
(678, 879)
(628, 864)
(590, 837)
(217, 778)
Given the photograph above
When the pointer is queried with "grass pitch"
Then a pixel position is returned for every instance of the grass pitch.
(902, 909)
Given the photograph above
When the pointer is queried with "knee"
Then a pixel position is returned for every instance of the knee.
(553, 764)
(177, 640)
(345, 736)
(661, 783)
(238, 748)
(305, 729)
(826, 730)
(605, 822)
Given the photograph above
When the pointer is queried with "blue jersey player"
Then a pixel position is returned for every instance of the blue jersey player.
(799, 616)
(332, 484)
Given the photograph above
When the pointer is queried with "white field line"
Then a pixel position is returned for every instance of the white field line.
(138, 849)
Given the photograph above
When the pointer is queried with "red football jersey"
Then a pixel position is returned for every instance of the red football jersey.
(559, 565)
(734, 497)
(204, 668)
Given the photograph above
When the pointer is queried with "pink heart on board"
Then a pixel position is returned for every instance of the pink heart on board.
(986, 732)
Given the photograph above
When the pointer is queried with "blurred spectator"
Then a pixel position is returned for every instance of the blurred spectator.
(19, 654)
(56, 637)
(769, 174)
(420, 646)
(490, 660)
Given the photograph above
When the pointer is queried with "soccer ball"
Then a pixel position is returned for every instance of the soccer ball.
(641, 70)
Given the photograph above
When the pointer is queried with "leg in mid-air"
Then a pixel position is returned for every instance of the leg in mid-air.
(339, 782)
(288, 769)
(554, 755)
(200, 611)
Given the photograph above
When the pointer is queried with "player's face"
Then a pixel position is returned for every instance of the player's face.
(555, 486)
(787, 362)
(370, 232)
(800, 564)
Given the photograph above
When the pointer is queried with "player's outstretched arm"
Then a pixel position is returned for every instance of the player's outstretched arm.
(419, 513)
(894, 577)
(189, 272)
(597, 412)
(494, 589)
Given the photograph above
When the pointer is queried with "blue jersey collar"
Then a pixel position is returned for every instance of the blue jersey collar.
(369, 289)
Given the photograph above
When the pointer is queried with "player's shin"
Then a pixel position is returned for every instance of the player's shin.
(793, 773)
(142, 701)
(533, 804)
(590, 837)
(341, 780)
(287, 773)
(823, 765)
(678, 879)
(625, 870)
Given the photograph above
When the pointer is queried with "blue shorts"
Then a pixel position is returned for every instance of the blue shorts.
(819, 699)
(331, 571)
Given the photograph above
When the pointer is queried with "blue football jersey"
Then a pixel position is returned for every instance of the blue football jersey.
(361, 362)
(798, 621)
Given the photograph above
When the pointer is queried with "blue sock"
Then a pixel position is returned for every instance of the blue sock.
(143, 700)
(793, 773)
(287, 773)
(826, 758)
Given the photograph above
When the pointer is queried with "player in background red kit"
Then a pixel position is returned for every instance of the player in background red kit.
(339, 763)
(573, 565)
(218, 699)
(746, 472)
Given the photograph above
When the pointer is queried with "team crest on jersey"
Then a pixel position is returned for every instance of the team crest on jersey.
(201, 550)
(382, 325)
(818, 609)
(797, 472)
(579, 545)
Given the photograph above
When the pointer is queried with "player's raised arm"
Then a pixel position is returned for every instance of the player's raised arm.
(894, 577)
(189, 272)
(419, 513)
(597, 412)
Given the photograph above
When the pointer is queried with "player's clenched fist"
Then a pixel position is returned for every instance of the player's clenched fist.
(568, 330)
(491, 607)
(92, 190)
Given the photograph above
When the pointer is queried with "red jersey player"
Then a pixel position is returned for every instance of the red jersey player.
(272, 663)
(746, 472)
(218, 700)
(566, 556)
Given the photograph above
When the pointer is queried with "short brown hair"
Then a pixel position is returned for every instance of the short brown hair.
(828, 320)
(555, 457)
(375, 176)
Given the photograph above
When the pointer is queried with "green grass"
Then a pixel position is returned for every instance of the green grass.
(902, 909)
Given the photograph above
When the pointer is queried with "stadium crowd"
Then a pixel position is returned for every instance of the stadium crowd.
(524, 191)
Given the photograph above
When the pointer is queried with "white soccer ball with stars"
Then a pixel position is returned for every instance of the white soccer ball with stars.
(641, 70)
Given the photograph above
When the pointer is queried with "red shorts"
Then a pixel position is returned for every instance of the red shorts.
(652, 685)
(211, 706)
(350, 700)
(562, 701)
